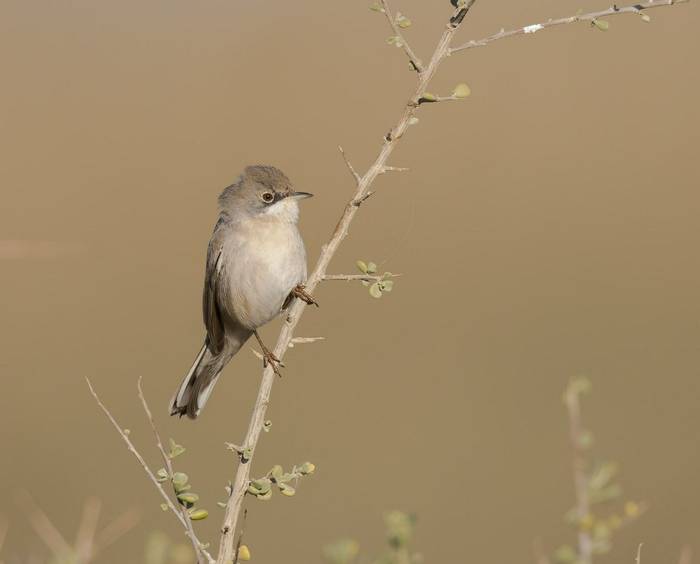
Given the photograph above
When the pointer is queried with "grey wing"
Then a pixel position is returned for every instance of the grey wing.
(211, 299)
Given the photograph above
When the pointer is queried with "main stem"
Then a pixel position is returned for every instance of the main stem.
(583, 502)
(255, 427)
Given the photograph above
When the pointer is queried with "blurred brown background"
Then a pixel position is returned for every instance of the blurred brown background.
(548, 228)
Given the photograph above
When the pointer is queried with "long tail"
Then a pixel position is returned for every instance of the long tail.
(197, 386)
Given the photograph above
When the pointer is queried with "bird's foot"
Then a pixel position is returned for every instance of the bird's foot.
(300, 292)
(270, 358)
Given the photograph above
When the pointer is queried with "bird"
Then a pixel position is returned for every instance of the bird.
(255, 266)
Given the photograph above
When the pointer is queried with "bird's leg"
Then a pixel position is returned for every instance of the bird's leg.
(300, 292)
(269, 357)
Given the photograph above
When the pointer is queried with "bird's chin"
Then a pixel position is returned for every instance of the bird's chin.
(286, 210)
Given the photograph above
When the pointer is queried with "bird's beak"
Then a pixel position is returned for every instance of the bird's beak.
(300, 195)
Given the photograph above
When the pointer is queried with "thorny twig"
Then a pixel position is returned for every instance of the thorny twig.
(146, 468)
(589, 17)
(255, 427)
(360, 277)
(412, 58)
(583, 503)
(200, 554)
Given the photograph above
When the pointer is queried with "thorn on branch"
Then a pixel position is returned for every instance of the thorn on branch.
(393, 169)
(349, 165)
(463, 7)
(357, 203)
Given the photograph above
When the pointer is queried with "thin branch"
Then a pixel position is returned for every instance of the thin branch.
(638, 559)
(395, 169)
(304, 341)
(43, 527)
(85, 538)
(255, 427)
(200, 553)
(412, 58)
(4, 526)
(349, 165)
(539, 553)
(686, 555)
(115, 530)
(360, 277)
(583, 503)
(589, 17)
(143, 463)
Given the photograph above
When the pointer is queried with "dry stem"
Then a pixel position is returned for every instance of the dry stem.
(589, 17)
(361, 277)
(198, 551)
(413, 59)
(255, 427)
(583, 503)
(184, 521)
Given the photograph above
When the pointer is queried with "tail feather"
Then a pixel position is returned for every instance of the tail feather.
(201, 377)
(199, 382)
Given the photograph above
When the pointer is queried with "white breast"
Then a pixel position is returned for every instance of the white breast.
(264, 260)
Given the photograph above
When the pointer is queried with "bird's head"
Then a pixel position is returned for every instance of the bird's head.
(262, 191)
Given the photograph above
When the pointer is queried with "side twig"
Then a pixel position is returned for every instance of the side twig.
(198, 550)
(130, 446)
(360, 277)
(589, 17)
(412, 58)
(349, 165)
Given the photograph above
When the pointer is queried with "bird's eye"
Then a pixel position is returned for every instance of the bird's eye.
(267, 197)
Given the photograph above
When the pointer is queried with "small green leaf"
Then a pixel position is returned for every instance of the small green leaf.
(565, 554)
(188, 497)
(602, 25)
(265, 496)
(307, 468)
(362, 266)
(262, 486)
(646, 18)
(243, 553)
(277, 472)
(180, 480)
(287, 490)
(387, 285)
(342, 551)
(461, 91)
(602, 475)
(162, 475)
(402, 21)
(371, 268)
(375, 291)
(199, 514)
(164, 506)
(267, 426)
(377, 7)
(586, 439)
(413, 121)
(428, 97)
(221, 504)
